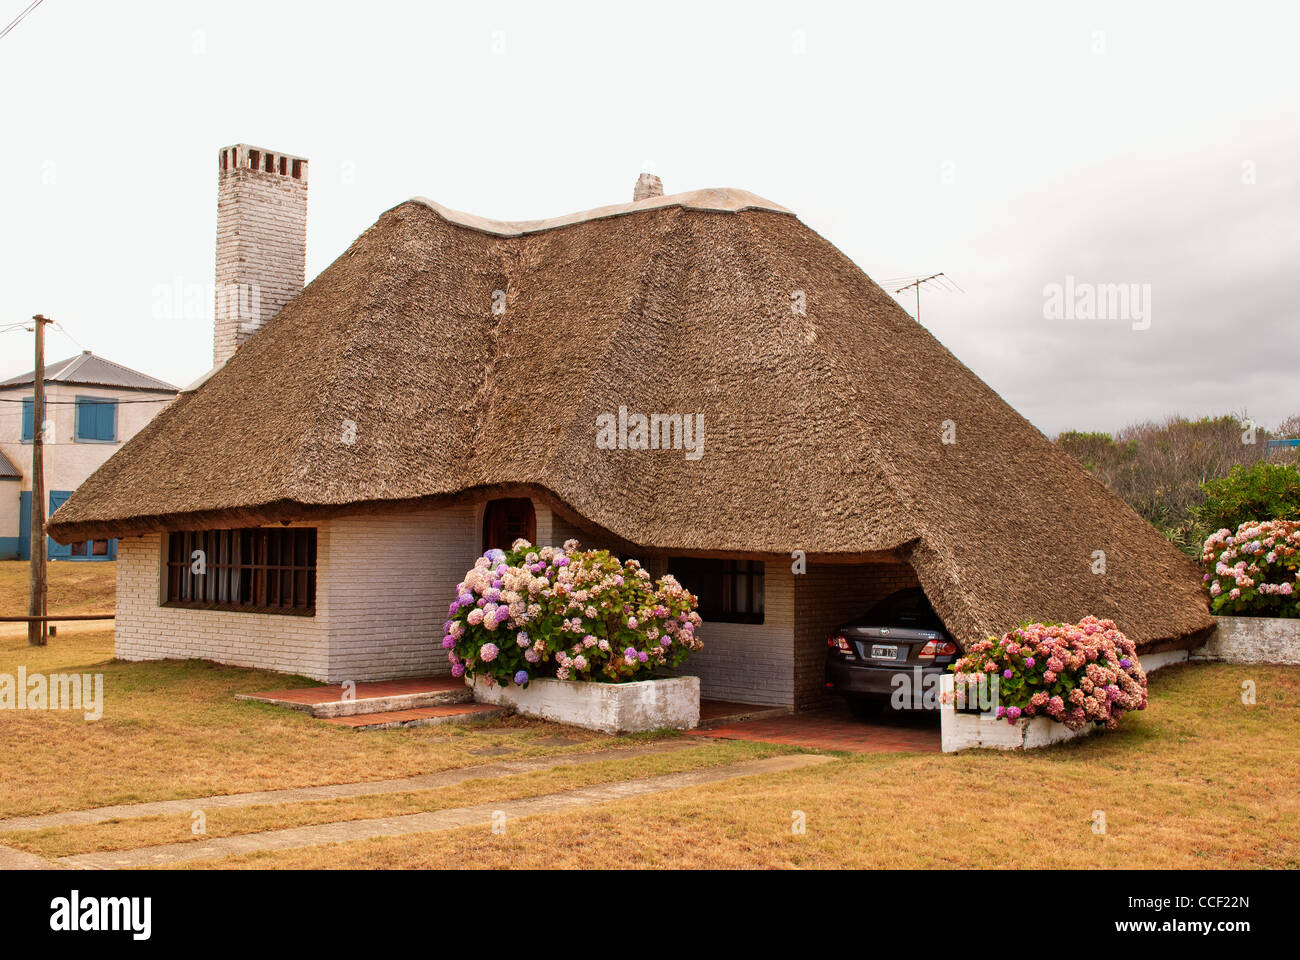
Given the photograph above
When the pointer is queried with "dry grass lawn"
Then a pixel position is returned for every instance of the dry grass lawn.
(74, 587)
(173, 729)
(1197, 780)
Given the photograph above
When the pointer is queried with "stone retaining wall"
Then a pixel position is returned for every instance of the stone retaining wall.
(1252, 640)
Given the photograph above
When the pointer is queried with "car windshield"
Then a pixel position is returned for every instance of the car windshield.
(906, 608)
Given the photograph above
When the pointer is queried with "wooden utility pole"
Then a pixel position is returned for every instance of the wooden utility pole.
(38, 630)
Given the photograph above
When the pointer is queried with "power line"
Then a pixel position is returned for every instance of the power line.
(64, 330)
(18, 19)
(73, 403)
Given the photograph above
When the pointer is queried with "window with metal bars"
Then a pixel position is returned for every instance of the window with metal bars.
(729, 591)
(254, 569)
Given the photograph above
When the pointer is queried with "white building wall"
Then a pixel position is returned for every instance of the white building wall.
(9, 509)
(390, 579)
(383, 584)
(68, 461)
(751, 663)
(146, 630)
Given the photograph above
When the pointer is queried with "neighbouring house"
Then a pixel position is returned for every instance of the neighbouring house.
(451, 382)
(93, 406)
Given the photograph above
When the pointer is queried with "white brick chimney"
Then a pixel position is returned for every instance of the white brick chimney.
(261, 241)
(647, 185)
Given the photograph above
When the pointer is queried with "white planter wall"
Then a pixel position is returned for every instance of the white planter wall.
(670, 703)
(963, 731)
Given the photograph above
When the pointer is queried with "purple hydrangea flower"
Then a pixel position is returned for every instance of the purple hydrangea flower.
(643, 656)
(448, 642)
(1013, 713)
(1007, 674)
(1126, 663)
(458, 670)
(521, 677)
(1029, 661)
(453, 608)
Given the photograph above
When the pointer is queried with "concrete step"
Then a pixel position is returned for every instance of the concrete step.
(744, 712)
(364, 706)
(420, 716)
(367, 697)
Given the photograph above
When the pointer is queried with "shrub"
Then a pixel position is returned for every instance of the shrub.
(575, 615)
(1262, 490)
(1071, 673)
(1255, 571)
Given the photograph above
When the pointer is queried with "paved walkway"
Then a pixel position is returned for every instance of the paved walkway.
(836, 728)
(428, 781)
(481, 814)
(11, 859)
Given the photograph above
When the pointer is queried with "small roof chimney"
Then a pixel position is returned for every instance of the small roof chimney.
(647, 185)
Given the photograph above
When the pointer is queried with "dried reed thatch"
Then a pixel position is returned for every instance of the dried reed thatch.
(822, 427)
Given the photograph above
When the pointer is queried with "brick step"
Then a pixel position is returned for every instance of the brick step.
(368, 697)
(420, 716)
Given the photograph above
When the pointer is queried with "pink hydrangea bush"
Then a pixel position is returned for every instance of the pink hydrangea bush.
(567, 613)
(1071, 673)
(1254, 572)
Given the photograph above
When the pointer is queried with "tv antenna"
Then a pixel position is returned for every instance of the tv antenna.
(941, 280)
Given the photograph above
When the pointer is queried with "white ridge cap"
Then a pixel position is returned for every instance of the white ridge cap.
(718, 199)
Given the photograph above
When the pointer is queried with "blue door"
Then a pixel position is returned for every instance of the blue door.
(25, 525)
(54, 551)
(57, 550)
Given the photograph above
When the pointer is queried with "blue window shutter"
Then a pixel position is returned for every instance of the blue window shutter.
(29, 411)
(96, 419)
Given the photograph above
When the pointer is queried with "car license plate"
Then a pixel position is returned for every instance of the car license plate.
(880, 651)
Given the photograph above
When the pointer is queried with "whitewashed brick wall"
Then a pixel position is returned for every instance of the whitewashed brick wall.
(384, 582)
(145, 630)
(751, 663)
(382, 589)
(390, 580)
(261, 244)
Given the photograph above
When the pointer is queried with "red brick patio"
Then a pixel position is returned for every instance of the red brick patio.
(835, 728)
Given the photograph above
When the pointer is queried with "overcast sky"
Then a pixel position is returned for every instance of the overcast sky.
(1009, 145)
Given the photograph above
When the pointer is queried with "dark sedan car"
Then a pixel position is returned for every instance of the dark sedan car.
(895, 652)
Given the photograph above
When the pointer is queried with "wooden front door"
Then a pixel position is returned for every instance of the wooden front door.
(506, 520)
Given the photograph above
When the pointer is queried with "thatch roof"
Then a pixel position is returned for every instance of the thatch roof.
(822, 430)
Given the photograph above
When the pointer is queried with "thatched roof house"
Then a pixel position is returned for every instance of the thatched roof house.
(444, 360)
